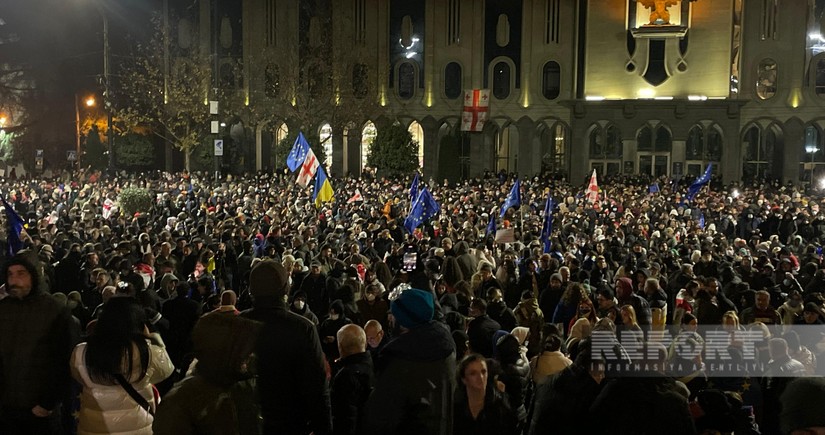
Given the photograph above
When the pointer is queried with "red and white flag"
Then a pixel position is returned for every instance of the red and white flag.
(356, 197)
(593, 191)
(476, 109)
(308, 169)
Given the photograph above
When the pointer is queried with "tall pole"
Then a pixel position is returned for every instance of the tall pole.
(77, 127)
(110, 138)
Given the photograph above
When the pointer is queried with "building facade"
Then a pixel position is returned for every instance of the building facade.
(622, 86)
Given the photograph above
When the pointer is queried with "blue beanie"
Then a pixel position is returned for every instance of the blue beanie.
(413, 307)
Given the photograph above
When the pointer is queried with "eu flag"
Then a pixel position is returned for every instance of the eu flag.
(513, 199)
(422, 209)
(654, 188)
(699, 183)
(491, 226)
(547, 227)
(298, 154)
(14, 226)
(702, 221)
(414, 188)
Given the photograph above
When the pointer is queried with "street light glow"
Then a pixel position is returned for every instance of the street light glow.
(3, 120)
(90, 101)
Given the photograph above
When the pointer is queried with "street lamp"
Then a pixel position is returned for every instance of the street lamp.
(812, 150)
(88, 102)
(107, 95)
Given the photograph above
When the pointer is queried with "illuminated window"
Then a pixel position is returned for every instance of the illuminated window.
(501, 80)
(606, 150)
(417, 134)
(759, 149)
(812, 156)
(766, 79)
(367, 136)
(551, 80)
(452, 80)
(325, 138)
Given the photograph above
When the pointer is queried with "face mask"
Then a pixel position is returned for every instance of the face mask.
(334, 316)
(787, 282)
(794, 303)
(370, 297)
(299, 305)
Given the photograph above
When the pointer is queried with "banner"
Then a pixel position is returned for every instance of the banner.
(476, 109)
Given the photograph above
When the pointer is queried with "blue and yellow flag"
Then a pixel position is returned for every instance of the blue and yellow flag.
(323, 189)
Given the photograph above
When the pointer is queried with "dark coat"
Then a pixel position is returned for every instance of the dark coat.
(562, 403)
(415, 384)
(351, 387)
(34, 352)
(292, 381)
(495, 419)
(640, 406)
(481, 330)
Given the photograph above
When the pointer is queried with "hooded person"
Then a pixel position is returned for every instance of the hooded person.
(214, 399)
(292, 386)
(415, 373)
(626, 296)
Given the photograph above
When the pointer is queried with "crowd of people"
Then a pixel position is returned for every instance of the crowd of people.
(237, 306)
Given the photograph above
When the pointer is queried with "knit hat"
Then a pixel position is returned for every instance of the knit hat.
(413, 307)
(802, 403)
(268, 279)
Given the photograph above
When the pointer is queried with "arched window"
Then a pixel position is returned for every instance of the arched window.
(714, 145)
(695, 146)
(551, 80)
(325, 138)
(452, 80)
(606, 150)
(553, 143)
(820, 77)
(360, 80)
(664, 141)
(644, 139)
(501, 80)
(417, 134)
(368, 134)
(812, 156)
(766, 79)
(272, 81)
(759, 152)
(406, 81)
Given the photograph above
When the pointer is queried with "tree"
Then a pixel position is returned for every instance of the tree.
(169, 102)
(134, 151)
(393, 152)
(95, 151)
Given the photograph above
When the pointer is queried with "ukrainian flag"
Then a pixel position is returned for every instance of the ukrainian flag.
(323, 190)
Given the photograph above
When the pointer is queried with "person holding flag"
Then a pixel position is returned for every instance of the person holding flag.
(422, 209)
(491, 226)
(323, 189)
(699, 183)
(547, 227)
(14, 227)
(513, 199)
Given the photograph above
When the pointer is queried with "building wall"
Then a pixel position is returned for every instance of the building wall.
(598, 57)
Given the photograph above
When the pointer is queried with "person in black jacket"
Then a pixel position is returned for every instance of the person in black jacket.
(562, 403)
(291, 383)
(34, 352)
(328, 329)
(353, 383)
(481, 328)
(480, 409)
(515, 374)
(415, 373)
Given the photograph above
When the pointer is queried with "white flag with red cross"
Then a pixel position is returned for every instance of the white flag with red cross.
(592, 194)
(476, 109)
(307, 169)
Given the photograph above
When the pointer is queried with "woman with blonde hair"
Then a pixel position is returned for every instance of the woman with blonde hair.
(630, 325)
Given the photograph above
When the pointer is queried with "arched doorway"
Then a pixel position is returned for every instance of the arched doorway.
(551, 139)
(417, 133)
(654, 146)
(368, 134)
(506, 149)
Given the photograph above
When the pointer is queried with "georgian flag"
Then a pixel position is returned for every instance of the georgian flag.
(593, 191)
(356, 197)
(108, 208)
(308, 169)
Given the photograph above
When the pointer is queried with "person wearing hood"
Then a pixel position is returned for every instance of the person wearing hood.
(299, 306)
(529, 315)
(291, 378)
(328, 329)
(167, 286)
(497, 310)
(515, 374)
(372, 306)
(415, 383)
(626, 296)
(213, 398)
(466, 261)
(34, 352)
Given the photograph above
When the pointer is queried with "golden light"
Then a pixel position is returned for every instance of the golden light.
(3, 120)
(90, 101)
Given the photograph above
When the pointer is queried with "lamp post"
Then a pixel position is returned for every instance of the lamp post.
(107, 96)
(812, 150)
(89, 102)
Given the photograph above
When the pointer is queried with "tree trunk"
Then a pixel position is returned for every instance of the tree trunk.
(187, 158)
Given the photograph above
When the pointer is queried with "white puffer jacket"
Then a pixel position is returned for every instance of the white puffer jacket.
(108, 409)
